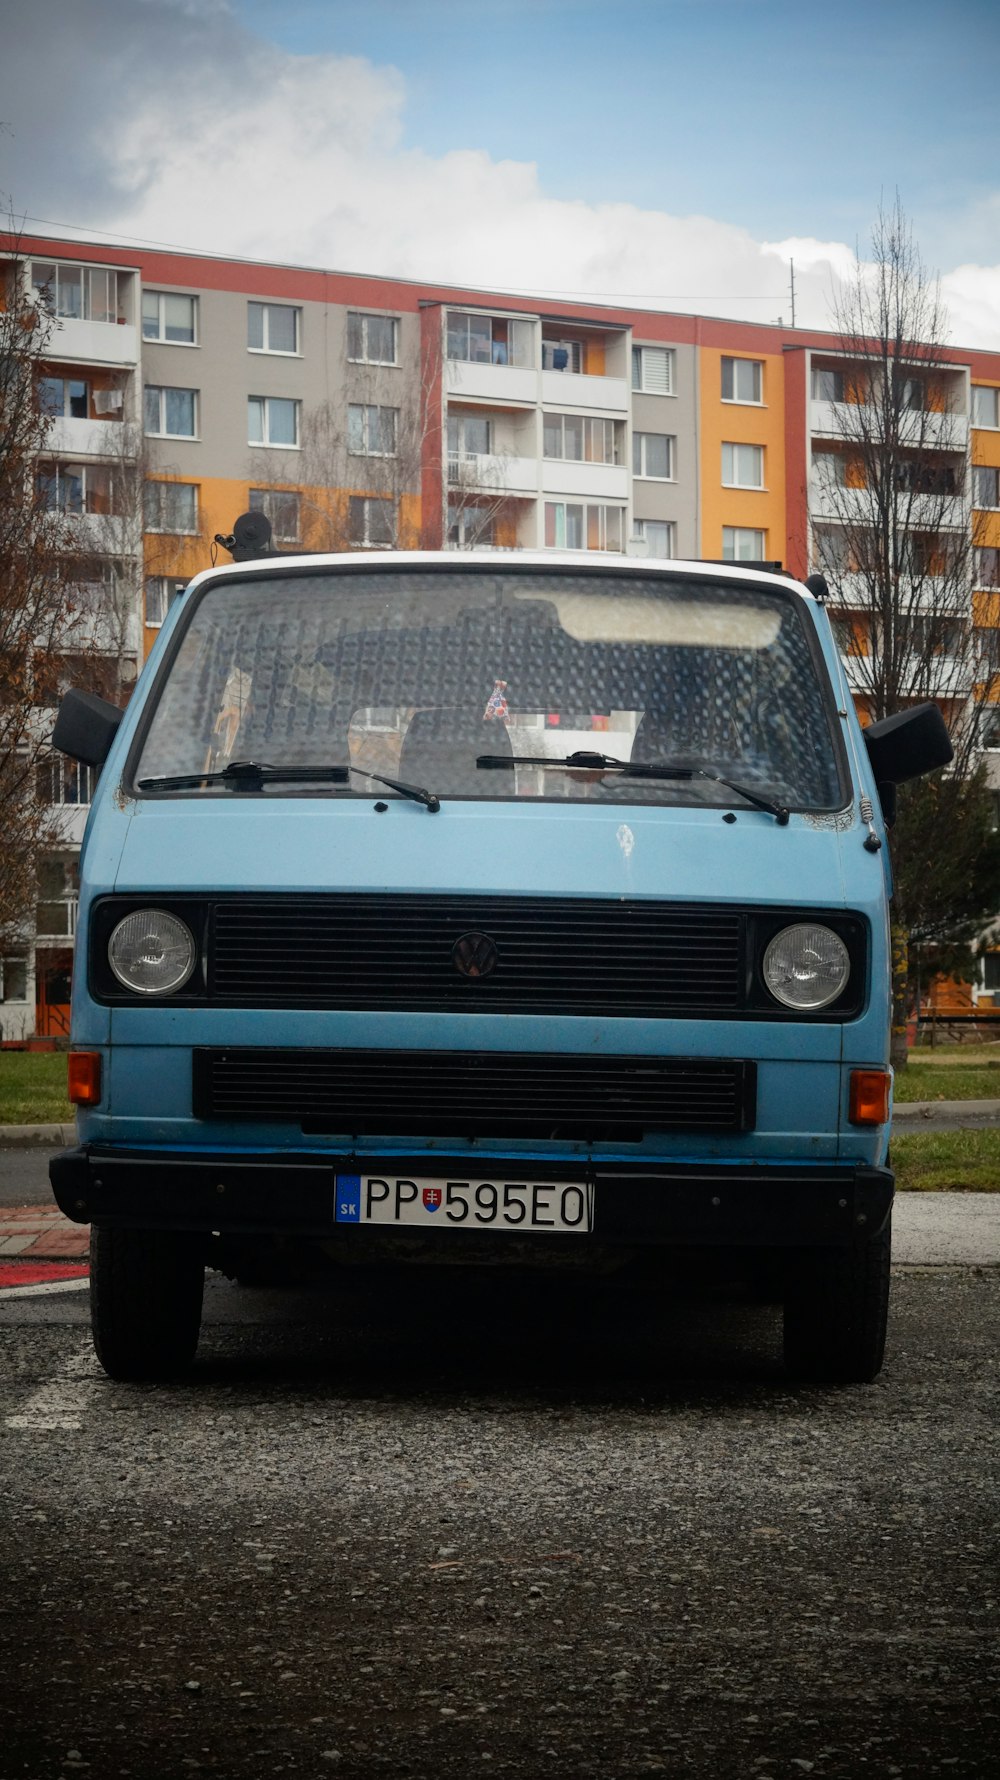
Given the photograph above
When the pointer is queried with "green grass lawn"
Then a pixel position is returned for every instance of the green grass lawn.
(924, 1080)
(33, 1088)
(947, 1161)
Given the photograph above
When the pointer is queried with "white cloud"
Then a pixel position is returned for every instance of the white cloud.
(209, 138)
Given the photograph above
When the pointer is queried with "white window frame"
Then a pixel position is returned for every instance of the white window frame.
(19, 961)
(585, 509)
(65, 383)
(116, 290)
(473, 525)
(737, 447)
(158, 591)
(275, 351)
(986, 389)
(369, 504)
(270, 502)
(87, 474)
(265, 418)
(737, 534)
(162, 390)
(64, 773)
(643, 360)
(363, 317)
(593, 426)
(639, 438)
(992, 506)
(366, 410)
(755, 364)
(640, 529)
(160, 337)
(159, 483)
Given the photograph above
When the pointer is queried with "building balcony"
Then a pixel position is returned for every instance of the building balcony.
(854, 593)
(85, 438)
(577, 389)
(56, 920)
(947, 677)
(493, 473)
(93, 342)
(841, 420)
(469, 380)
(855, 507)
(599, 482)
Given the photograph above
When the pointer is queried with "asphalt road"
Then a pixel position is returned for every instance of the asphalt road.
(445, 1529)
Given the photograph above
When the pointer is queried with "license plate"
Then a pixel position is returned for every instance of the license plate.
(558, 1207)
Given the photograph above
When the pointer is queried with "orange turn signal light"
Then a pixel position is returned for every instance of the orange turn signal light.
(870, 1089)
(85, 1078)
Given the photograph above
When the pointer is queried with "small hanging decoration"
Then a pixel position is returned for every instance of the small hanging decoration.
(497, 710)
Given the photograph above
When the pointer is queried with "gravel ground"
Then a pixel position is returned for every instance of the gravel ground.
(503, 1530)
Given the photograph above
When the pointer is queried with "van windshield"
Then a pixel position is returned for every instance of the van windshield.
(421, 674)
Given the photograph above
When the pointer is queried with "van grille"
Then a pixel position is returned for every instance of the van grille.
(482, 1094)
(552, 955)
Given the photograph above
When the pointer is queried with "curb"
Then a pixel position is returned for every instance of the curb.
(59, 1136)
(988, 1111)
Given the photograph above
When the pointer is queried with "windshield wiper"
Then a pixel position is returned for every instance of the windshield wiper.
(586, 761)
(417, 792)
(249, 775)
(253, 775)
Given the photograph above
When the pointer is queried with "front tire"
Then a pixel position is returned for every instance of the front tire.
(146, 1290)
(836, 1311)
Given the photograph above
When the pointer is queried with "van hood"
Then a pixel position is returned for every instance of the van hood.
(269, 844)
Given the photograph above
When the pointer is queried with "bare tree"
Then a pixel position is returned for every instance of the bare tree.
(36, 597)
(893, 534)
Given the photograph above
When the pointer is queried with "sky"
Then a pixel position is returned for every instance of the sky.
(663, 153)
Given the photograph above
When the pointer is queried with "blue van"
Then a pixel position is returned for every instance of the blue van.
(480, 906)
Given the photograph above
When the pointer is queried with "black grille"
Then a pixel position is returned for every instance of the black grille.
(475, 1094)
(553, 955)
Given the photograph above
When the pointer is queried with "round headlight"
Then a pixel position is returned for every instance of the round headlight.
(806, 966)
(152, 952)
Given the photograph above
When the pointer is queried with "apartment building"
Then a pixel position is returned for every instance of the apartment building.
(360, 413)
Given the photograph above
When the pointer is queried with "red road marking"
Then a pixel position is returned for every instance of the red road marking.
(34, 1273)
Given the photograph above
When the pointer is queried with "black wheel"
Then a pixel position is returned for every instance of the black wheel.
(837, 1310)
(145, 1301)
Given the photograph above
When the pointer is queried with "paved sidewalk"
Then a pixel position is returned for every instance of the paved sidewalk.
(40, 1233)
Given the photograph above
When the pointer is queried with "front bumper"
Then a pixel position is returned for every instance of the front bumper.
(668, 1204)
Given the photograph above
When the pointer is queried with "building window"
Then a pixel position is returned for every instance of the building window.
(372, 521)
(62, 781)
(64, 398)
(575, 525)
(72, 489)
(372, 339)
(469, 526)
(170, 506)
(581, 438)
(740, 543)
(371, 431)
(985, 405)
(160, 590)
(469, 436)
(14, 978)
(489, 339)
(653, 456)
(658, 535)
(168, 318)
(170, 413)
(986, 566)
(743, 466)
(827, 386)
(82, 293)
(985, 486)
(272, 420)
(282, 509)
(653, 370)
(272, 327)
(742, 380)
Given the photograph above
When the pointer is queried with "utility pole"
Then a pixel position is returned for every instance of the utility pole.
(791, 268)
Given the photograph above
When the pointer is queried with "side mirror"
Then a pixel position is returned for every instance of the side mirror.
(86, 727)
(909, 744)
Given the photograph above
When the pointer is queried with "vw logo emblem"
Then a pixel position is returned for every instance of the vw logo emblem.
(475, 955)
